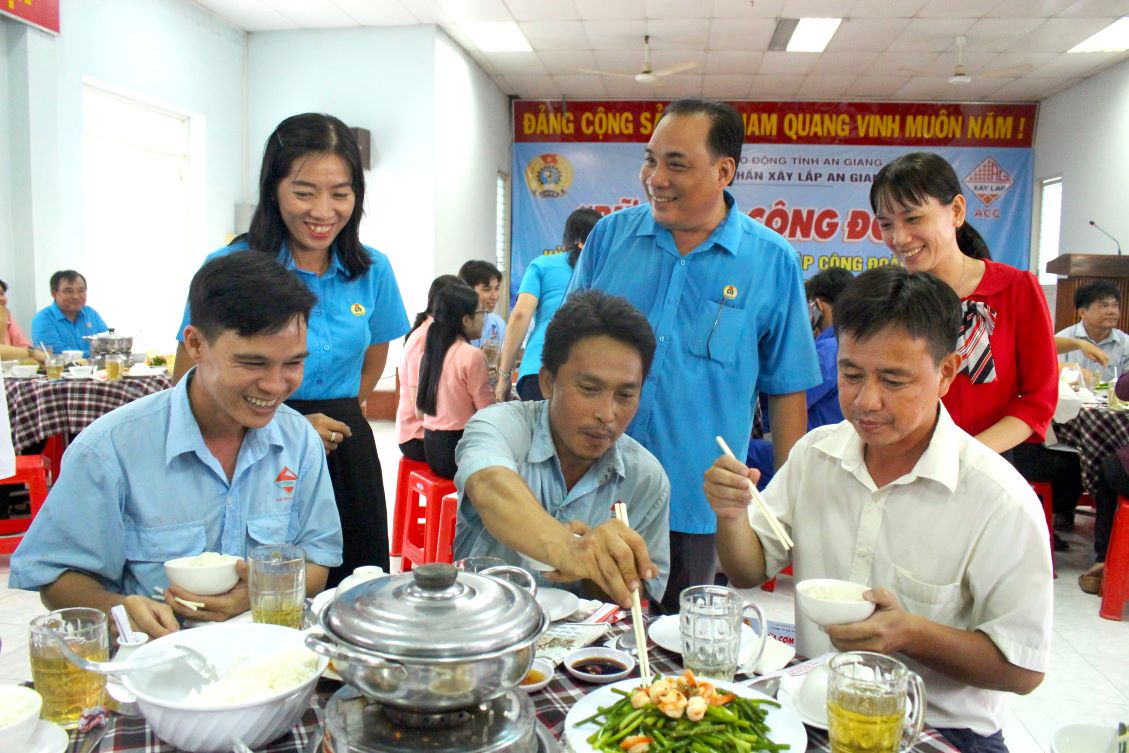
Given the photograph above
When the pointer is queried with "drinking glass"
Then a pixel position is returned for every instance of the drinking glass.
(479, 563)
(867, 696)
(710, 623)
(277, 582)
(115, 366)
(54, 366)
(67, 689)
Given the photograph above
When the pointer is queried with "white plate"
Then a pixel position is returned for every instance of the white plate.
(87, 378)
(665, 632)
(559, 603)
(788, 701)
(784, 724)
(48, 738)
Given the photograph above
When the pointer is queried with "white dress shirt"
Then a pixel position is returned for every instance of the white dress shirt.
(960, 539)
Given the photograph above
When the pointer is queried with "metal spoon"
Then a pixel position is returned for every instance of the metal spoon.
(190, 656)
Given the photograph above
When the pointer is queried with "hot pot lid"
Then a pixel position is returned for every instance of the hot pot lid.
(434, 612)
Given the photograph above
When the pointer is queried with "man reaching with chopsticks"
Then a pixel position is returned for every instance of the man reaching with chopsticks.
(540, 478)
(947, 534)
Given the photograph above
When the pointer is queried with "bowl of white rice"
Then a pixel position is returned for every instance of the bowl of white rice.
(266, 678)
(826, 601)
(19, 715)
(206, 574)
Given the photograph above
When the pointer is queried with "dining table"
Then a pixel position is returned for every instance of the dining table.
(552, 703)
(1097, 431)
(40, 408)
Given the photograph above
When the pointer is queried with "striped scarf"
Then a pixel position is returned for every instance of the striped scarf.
(977, 322)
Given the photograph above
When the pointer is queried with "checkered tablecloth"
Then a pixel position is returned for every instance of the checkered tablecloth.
(551, 704)
(1096, 432)
(41, 408)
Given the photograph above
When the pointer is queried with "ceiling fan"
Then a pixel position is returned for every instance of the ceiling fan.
(960, 75)
(647, 74)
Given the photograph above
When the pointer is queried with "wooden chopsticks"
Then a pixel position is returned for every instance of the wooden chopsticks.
(193, 605)
(772, 521)
(636, 612)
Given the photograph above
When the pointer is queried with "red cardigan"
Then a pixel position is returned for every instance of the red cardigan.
(1023, 348)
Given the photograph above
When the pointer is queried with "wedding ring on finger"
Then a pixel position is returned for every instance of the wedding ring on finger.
(333, 437)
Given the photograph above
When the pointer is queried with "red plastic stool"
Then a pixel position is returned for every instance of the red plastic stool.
(400, 511)
(1115, 577)
(1044, 493)
(421, 525)
(30, 470)
(770, 585)
(448, 517)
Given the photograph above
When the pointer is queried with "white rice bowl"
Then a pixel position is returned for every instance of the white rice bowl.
(251, 704)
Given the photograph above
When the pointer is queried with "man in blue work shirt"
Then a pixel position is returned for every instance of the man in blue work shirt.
(216, 464)
(534, 473)
(66, 323)
(725, 298)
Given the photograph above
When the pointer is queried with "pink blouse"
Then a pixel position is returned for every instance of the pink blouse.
(463, 388)
(407, 425)
(16, 335)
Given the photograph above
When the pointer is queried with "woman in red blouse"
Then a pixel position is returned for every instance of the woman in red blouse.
(1008, 385)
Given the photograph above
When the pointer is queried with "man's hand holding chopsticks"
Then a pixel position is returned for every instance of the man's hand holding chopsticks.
(611, 555)
(727, 487)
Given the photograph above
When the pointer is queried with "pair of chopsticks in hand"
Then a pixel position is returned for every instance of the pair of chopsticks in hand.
(773, 523)
(636, 612)
(193, 605)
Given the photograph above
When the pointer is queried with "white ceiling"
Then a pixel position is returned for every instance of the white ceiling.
(884, 49)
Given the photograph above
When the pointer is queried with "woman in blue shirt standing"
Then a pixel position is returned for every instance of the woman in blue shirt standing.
(311, 198)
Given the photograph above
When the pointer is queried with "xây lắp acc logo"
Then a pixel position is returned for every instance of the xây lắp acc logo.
(548, 176)
(286, 481)
(988, 181)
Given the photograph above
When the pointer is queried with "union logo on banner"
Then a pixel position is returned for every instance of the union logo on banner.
(548, 176)
(286, 481)
(988, 181)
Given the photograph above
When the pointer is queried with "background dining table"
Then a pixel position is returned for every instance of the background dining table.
(552, 703)
(40, 408)
(1097, 431)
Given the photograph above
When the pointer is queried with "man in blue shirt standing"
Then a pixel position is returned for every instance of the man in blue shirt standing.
(725, 298)
(216, 464)
(540, 478)
(65, 323)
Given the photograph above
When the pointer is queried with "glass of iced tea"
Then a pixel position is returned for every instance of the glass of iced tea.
(867, 699)
(67, 689)
(277, 582)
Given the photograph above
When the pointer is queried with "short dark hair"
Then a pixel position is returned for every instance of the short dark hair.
(1092, 292)
(592, 313)
(727, 133)
(248, 292)
(478, 272)
(65, 275)
(297, 137)
(828, 284)
(890, 296)
(577, 227)
(912, 179)
(3, 287)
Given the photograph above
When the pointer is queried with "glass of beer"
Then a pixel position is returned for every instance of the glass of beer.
(277, 582)
(54, 366)
(867, 699)
(710, 620)
(67, 689)
(115, 367)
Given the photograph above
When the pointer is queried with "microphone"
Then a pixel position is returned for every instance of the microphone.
(1098, 227)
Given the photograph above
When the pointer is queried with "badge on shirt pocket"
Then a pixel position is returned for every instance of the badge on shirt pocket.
(357, 309)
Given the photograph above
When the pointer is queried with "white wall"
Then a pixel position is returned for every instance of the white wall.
(6, 249)
(1083, 134)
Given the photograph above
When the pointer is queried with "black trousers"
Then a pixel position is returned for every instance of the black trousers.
(529, 388)
(439, 447)
(693, 562)
(413, 450)
(1061, 469)
(358, 484)
(1113, 481)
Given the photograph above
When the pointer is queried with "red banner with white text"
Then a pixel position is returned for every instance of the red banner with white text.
(41, 13)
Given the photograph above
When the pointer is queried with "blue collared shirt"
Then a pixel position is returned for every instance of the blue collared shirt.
(493, 328)
(51, 327)
(546, 278)
(350, 316)
(730, 318)
(139, 487)
(516, 435)
(823, 399)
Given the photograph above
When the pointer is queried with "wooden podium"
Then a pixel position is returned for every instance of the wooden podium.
(1080, 269)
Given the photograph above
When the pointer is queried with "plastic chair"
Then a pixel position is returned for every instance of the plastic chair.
(448, 518)
(421, 524)
(400, 511)
(1115, 577)
(30, 470)
(1043, 491)
(770, 585)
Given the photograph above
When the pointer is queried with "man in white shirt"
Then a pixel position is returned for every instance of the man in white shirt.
(1094, 342)
(947, 534)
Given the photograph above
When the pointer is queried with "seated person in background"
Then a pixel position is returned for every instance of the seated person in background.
(452, 382)
(1095, 343)
(65, 323)
(486, 280)
(532, 474)
(1113, 481)
(823, 399)
(215, 464)
(409, 427)
(10, 332)
(946, 533)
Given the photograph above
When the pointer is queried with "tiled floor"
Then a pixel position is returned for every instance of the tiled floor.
(1088, 679)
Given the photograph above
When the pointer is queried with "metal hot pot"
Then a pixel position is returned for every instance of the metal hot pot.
(435, 638)
(108, 342)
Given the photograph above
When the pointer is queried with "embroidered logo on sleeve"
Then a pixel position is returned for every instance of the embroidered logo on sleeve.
(357, 309)
(286, 481)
